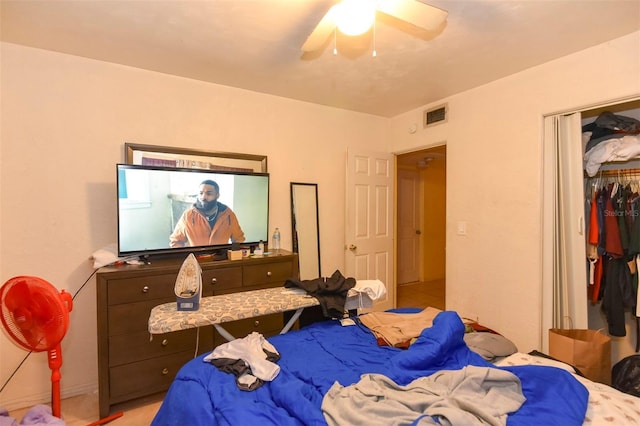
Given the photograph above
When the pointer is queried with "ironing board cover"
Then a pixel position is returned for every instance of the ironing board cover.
(228, 307)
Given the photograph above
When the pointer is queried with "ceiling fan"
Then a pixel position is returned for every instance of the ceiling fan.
(355, 17)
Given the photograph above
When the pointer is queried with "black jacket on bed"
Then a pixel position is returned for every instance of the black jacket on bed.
(331, 292)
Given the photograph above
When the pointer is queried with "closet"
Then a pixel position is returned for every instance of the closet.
(611, 176)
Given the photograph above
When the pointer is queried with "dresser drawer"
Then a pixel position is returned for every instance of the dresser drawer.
(267, 273)
(267, 325)
(127, 290)
(126, 348)
(145, 377)
(132, 317)
(221, 279)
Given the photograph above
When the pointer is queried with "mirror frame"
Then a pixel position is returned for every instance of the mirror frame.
(133, 153)
(305, 228)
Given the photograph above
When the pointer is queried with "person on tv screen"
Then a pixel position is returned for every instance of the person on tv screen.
(207, 222)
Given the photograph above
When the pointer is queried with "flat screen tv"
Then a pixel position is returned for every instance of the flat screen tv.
(165, 210)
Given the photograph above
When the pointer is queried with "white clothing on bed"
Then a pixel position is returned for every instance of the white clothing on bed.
(364, 293)
(250, 350)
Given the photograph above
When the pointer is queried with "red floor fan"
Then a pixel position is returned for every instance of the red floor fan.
(36, 316)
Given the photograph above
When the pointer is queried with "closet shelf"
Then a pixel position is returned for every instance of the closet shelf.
(612, 168)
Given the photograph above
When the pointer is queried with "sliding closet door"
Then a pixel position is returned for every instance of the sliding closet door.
(564, 255)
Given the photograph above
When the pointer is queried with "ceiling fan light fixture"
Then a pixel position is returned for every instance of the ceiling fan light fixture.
(354, 17)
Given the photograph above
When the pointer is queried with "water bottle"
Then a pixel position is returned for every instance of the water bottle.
(276, 240)
(259, 251)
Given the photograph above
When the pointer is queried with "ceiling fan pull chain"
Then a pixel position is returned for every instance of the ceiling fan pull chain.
(374, 54)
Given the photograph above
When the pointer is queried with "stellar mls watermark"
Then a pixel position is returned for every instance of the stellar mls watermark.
(630, 213)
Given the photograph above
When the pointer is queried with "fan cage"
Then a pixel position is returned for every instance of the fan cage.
(33, 313)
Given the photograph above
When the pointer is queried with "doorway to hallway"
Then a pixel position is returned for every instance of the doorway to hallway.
(421, 226)
(422, 294)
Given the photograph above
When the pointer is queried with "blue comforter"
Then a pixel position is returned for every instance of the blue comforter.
(313, 358)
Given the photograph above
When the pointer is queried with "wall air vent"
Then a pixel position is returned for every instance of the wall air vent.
(435, 116)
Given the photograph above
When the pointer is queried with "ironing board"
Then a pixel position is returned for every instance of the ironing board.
(216, 310)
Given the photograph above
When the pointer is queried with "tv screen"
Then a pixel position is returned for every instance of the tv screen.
(167, 209)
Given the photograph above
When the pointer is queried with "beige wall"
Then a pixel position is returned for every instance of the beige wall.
(494, 178)
(64, 122)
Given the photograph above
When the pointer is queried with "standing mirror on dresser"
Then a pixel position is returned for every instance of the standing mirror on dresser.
(305, 229)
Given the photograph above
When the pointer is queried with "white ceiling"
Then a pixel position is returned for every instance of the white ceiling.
(255, 44)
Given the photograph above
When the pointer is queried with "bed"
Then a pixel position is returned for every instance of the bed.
(326, 370)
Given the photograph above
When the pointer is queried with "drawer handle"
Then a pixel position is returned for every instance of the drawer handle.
(269, 273)
(165, 371)
(256, 323)
(214, 281)
(165, 342)
(145, 289)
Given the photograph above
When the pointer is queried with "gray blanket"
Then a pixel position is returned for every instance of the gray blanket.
(470, 396)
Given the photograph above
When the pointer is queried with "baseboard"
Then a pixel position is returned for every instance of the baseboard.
(45, 397)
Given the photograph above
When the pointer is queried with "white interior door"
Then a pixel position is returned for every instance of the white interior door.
(409, 231)
(369, 221)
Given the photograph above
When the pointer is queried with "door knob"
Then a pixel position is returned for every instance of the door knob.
(353, 247)
(418, 232)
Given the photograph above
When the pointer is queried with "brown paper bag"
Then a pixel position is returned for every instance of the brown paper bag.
(587, 350)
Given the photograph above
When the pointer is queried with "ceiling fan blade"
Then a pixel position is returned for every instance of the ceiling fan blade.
(319, 35)
(414, 12)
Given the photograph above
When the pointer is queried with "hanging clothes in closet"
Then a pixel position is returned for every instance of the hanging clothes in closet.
(613, 244)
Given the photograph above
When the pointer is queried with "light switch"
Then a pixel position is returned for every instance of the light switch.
(462, 228)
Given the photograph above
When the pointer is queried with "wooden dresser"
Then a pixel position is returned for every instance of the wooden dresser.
(130, 365)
